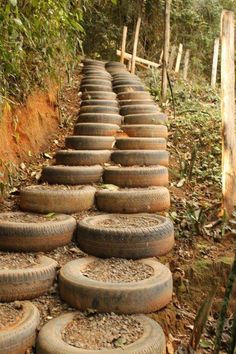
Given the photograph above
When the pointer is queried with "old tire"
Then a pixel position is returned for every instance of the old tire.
(99, 109)
(89, 142)
(136, 176)
(139, 108)
(101, 81)
(133, 96)
(98, 95)
(27, 283)
(143, 296)
(88, 88)
(145, 130)
(139, 200)
(128, 242)
(140, 157)
(21, 336)
(67, 201)
(128, 88)
(82, 157)
(96, 102)
(72, 175)
(147, 101)
(146, 118)
(141, 143)
(36, 237)
(96, 129)
(50, 340)
(100, 118)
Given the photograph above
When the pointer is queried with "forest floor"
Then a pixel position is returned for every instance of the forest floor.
(204, 244)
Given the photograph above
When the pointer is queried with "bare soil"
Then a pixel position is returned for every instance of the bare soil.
(18, 260)
(126, 221)
(10, 314)
(109, 331)
(117, 270)
(27, 218)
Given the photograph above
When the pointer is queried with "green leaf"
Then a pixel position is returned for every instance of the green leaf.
(13, 2)
(50, 215)
(18, 21)
(114, 2)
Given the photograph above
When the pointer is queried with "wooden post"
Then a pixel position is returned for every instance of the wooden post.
(228, 111)
(186, 62)
(129, 65)
(135, 45)
(215, 62)
(166, 50)
(123, 45)
(172, 57)
(161, 57)
(179, 56)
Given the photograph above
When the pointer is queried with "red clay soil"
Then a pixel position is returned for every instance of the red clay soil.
(26, 129)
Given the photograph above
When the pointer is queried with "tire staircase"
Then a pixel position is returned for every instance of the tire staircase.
(126, 178)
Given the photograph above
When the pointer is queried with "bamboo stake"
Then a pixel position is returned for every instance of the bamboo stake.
(228, 112)
(135, 45)
(179, 56)
(172, 57)
(123, 45)
(166, 50)
(128, 56)
(161, 56)
(215, 62)
(186, 63)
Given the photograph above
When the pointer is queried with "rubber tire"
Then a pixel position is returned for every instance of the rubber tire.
(100, 118)
(89, 142)
(146, 130)
(138, 108)
(27, 283)
(96, 129)
(21, 336)
(147, 101)
(92, 81)
(36, 237)
(72, 175)
(126, 242)
(88, 88)
(128, 88)
(50, 341)
(140, 157)
(99, 109)
(141, 143)
(57, 200)
(92, 102)
(116, 64)
(146, 118)
(139, 200)
(145, 296)
(82, 157)
(126, 81)
(88, 62)
(133, 96)
(136, 176)
(98, 95)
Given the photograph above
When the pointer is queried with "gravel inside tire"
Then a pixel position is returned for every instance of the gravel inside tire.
(140, 157)
(136, 176)
(133, 96)
(153, 237)
(54, 232)
(27, 283)
(88, 88)
(146, 130)
(100, 118)
(139, 200)
(145, 296)
(21, 336)
(58, 200)
(96, 129)
(82, 157)
(92, 81)
(97, 95)
(89, 142)
(50, 339)
(137, 101)
(72, 175)
(132, 143)
(146, 118)
(128, 88)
